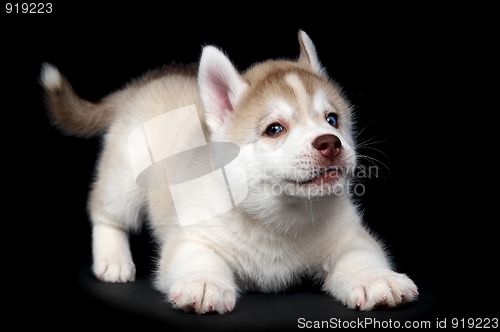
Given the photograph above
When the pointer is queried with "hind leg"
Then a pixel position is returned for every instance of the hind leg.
(114, 205)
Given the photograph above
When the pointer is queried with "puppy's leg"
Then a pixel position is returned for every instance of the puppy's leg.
(196, 279)
(360, 276)
(114, 205)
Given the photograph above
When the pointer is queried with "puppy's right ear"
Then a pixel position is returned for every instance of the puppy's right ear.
(221, 86)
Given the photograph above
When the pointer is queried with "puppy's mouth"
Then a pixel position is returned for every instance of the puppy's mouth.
(324, 176)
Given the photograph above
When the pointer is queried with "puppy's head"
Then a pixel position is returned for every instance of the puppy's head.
(291, 121)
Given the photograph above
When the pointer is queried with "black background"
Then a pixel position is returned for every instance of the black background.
(418, 78)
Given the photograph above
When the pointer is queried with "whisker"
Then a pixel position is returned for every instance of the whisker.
(364, 157)
(356, 135)
(378, 150)
(374, 161)
(369, 142)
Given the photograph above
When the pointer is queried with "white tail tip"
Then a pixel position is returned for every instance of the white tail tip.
(50, 76)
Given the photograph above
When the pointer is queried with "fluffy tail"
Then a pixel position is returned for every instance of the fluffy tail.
(70, 113)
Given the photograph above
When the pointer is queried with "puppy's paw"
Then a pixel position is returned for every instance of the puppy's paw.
(377, 288)
(114, 270)
(111, 254)
(203, 295)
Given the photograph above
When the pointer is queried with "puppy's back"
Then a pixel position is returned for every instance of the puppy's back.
(152, 94)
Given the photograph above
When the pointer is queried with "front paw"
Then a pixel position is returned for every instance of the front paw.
(114, 270)
(203, 294)
(111, 254)
(377, 288)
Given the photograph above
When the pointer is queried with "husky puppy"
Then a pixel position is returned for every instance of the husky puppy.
(272, 209)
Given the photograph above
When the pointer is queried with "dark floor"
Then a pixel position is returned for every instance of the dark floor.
(138, 301)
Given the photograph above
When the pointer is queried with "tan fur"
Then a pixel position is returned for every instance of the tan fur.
(267, 79)
(76, 116)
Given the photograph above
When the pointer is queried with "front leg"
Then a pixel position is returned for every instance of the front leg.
(112, 259)
(195, 278)
(360, 276)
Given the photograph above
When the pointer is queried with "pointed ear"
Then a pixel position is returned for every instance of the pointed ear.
(308, 53)
(221, 86)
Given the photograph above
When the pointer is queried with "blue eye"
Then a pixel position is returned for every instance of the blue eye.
(331, 118)
(274, 129)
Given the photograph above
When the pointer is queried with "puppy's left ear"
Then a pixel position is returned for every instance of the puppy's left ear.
(221, 86)
(308, 54)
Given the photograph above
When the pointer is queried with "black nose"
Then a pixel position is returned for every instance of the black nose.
(328, 145)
